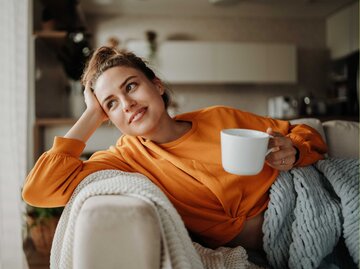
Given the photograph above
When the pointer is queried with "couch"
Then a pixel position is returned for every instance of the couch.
(123, 232)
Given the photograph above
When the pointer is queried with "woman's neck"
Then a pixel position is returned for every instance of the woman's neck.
(170, 130)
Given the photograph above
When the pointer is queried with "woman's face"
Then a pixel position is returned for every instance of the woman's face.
(131, 101)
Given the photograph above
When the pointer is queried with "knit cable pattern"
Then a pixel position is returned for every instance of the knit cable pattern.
(308, 209)
(344, 177)
(224, 258)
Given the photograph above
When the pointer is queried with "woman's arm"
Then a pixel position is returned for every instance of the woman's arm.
(58, 171)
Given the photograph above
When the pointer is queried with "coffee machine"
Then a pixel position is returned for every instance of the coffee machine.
(283, 107)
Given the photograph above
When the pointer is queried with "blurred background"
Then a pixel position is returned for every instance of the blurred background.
(283, 59)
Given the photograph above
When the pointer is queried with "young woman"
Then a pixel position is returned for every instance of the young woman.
(181, 155)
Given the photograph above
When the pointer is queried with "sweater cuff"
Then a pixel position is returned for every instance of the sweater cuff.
(300, 151)
(69, 146)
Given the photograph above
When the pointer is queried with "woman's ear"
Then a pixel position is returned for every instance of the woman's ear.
(159, 85)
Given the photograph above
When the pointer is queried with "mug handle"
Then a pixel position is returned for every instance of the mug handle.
(269, 150)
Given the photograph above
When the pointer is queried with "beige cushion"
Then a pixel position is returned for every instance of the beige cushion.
(114, 231)
(342, 138)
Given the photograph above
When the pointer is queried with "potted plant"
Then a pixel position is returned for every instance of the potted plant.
(41, 223)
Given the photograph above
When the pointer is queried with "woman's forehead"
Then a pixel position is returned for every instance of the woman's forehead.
(116, 75)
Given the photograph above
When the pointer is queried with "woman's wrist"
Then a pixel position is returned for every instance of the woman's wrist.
(86, 125)
(93, 115)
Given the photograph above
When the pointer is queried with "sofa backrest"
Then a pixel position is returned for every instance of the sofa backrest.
(342, 138)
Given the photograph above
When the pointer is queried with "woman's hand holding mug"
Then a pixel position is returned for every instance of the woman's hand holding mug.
(244, 151)
(283, 153)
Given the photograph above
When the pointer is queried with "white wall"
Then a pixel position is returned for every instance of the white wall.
(307, 35)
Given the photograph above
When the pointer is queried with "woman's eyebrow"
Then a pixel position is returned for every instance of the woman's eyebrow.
(126, 80)
(107, 98)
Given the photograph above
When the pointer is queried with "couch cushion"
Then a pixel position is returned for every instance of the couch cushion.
(342, 138)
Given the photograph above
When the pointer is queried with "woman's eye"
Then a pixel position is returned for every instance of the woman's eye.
(130, 86)
(110, 104)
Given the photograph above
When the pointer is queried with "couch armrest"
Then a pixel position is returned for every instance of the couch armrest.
(115, 231)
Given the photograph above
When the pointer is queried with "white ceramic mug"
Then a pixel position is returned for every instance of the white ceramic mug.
(243, 151)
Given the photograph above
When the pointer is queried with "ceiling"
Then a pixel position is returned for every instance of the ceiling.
(216, 8)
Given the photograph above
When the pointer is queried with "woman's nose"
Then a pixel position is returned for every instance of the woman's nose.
(127, 103)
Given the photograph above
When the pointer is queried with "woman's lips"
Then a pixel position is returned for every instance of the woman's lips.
(137, 115)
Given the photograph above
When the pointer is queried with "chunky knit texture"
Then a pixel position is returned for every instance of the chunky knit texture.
(309, 209)
(177, 249)
(224, 258)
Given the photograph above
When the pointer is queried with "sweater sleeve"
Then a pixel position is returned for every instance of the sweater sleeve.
(58, 171)
(309, 143)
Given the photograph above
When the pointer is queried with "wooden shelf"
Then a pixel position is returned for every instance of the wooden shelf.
(51, 34)
(54, 121)
(54, 39)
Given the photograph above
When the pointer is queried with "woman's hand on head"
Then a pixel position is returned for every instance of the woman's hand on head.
(92, 103)
(283, 154)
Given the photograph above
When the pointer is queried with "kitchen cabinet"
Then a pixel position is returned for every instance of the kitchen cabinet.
(186, 62)
(342, 31)
(255, 63)
(240, 63)
(191, 62)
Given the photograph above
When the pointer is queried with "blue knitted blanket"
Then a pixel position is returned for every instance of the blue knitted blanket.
(310, 209)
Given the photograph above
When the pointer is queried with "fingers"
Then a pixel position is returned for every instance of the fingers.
(284, 156)
(284, 164)
(88, 91)
(273, 133)
(277, 139)
(280, 141)
(283, 152)
(87, 87)
(92, 103)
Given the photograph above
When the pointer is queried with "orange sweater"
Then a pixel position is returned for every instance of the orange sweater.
(213, 203)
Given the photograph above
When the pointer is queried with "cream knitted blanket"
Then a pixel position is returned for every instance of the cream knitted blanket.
(309, 209)
(177, 249)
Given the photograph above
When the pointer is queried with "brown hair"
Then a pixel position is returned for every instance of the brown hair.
(105, 58)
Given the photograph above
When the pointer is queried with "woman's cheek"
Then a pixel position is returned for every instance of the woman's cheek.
(119, 122)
